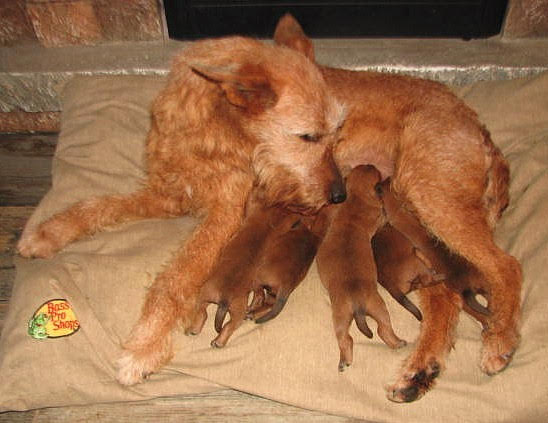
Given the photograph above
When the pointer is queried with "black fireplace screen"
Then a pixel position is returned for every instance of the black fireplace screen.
(191, 19)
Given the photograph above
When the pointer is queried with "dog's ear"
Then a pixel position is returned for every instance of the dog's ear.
(290, 34)
(232, 64)
(247, 87)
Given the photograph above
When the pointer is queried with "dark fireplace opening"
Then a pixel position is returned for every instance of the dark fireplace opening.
(191, 19)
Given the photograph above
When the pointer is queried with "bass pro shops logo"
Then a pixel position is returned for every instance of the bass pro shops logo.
(53, 319)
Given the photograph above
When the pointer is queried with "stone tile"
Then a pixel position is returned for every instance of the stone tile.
(62, 23)
(16, 27)
(19, 122)
(526, 19)
(125, 20)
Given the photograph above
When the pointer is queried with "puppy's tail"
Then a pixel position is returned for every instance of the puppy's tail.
(408, 305)
(222, 309)
(278, 306)
(496, 196)
(361, 323)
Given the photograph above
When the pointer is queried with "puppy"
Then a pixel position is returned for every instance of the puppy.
(347, 267)
(271, 252)
(283, 264)
(399, 268)
(408, 258)
(446, 169)
(235, 112)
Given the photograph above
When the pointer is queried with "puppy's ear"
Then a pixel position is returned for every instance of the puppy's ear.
(232, 64)
(290, 34)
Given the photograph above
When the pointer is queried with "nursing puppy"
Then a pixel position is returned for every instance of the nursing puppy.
(347, 267)
(271, 252)
(408, 258)
(447, 171)
(283, 264)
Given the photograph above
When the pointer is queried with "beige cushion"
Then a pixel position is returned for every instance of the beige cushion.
(293, 358)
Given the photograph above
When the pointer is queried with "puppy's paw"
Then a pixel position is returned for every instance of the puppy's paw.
(498, 351)
(412, 385)
(344, 364)
(35, 244)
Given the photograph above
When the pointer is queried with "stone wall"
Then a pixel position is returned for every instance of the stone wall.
(526, 19)
(29, 72)
(55, 23)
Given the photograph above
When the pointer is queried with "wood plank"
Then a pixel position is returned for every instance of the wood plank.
(221, 406)
(7, 276)
(30, 145)
(12, 221)
(25, 168)
(4, 305)
(14, 417)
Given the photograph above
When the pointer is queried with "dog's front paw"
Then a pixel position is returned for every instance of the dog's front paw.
(131, 370)
(138, 363)
(498, 351)
(35, 244)
(412, 385)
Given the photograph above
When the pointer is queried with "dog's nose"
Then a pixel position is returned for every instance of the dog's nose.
(337, 193)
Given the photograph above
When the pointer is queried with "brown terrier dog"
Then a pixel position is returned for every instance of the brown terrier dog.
(347, 267)
(447, 171)
(234, 112)
(271, 252)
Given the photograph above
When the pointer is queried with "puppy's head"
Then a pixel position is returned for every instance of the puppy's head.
(364, 182)
(282, 101)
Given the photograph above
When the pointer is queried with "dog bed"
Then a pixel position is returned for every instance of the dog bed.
(96, 287)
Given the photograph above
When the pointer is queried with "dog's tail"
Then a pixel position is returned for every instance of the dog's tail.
(496, 196)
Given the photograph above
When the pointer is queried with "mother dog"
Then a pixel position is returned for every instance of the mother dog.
(235, 112)
(448, 172)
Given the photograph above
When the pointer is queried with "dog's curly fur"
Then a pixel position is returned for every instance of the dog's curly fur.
(448, 172)
(235, 112)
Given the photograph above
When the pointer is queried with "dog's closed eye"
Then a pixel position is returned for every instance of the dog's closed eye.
(310, 137)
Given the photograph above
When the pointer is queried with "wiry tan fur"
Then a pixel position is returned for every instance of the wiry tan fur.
(235, 112)
(446, 169)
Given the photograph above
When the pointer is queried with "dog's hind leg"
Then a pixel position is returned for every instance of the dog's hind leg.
(454, 210)
(174, 294)
(440, 307)
(503, 286)
(467, 232)
(91, 216)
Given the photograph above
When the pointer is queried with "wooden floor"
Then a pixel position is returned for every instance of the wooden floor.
(25, 167)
